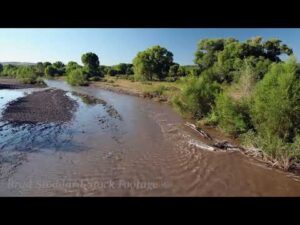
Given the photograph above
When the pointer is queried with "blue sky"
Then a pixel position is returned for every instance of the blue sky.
(120, 45)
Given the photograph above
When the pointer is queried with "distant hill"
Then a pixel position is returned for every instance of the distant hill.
(18, 63)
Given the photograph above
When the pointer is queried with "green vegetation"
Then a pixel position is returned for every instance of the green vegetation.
(77, 77)
(26, 74)
(152, 63)
(245, 89)
(91, 65)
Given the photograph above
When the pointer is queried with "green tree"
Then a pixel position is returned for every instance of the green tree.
(226, 56)
(91, 64)
(153, 62)
(45, 64)
(51, 71)
(1, 68)
(72, 66)
(121, 68)
(40, 69)
(60, 68)
(173, 71)
(129, 70)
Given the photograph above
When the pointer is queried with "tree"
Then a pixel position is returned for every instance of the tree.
(51, 71)
(274, 49)
(104, 69)
(173, 71)
(45, 64)
(129, 70)
(40, 69)
(60, 68)
(72, 66)
(226, 56)
(1, 68)
(121, 68)
(153, 62)
(112, 72)
(91, 64)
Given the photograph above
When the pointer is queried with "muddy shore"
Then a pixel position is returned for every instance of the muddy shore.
(12, 83)
(46, 106)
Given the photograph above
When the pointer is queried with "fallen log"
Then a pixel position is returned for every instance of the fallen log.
(198, 130)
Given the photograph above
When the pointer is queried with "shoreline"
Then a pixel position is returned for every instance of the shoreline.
(227, 144)
(216, 140)
(13, 83)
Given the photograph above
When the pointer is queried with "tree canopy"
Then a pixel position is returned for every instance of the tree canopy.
(152, 63)
(91, 64)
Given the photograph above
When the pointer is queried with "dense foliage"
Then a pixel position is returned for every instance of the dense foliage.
(77, 77)
(153, 63)
(91, 65)
(247, 90)
(244, 88)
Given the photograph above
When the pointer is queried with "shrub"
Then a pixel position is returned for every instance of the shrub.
(196, 97)
(231, 115)
(276, 102)
(159, 90)
(77, 77)
(112, 72)
(232, 108)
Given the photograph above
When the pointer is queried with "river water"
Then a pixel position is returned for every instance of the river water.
(144, 151)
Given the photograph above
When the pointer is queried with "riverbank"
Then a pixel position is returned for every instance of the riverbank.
(164, 91)
(12, 83)
(149, 143)
(161, 91)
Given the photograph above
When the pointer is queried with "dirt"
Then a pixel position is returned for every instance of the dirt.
(120, 90)
(117, 89)
(11, 83)
(51, 105)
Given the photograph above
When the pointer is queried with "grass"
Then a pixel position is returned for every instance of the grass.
(157, 88)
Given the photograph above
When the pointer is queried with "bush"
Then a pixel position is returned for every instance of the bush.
(231, 115)
(159, 90)
(276, 102)
(112, 72)
(26, 75)
(275, 112)
(171, 79)
(196, 97)
(77, 77)
(232, 108)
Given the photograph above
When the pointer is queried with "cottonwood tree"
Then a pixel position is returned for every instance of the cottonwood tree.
(153, 62)
(91, 64)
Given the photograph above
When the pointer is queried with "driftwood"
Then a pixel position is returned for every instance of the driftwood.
(224, 145)
(198, 130)
(227, 146)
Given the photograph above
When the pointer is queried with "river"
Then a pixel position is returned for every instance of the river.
(144, 151)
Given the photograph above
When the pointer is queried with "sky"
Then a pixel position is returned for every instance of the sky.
(120, 45)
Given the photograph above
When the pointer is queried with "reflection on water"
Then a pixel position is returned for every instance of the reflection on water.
(143, 151)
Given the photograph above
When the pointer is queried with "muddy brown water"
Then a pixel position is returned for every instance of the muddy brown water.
(144, 151)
